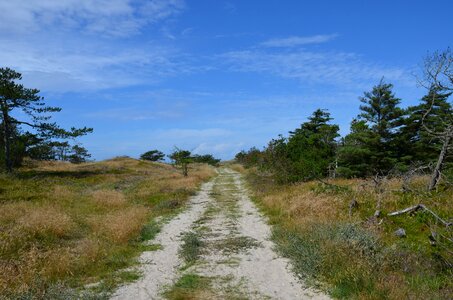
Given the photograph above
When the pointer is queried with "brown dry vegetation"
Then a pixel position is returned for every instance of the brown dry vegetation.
(358, 256)
(65, 225)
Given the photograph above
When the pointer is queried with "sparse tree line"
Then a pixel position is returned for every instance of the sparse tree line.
(384, 138)
(181, 158)
(26, 131)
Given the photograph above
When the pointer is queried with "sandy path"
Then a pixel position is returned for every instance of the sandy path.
(160, 268)
(237, 254)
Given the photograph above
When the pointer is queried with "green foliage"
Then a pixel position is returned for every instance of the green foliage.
(355, 154)
(380, 110)
(207, 159)
(306, 154)
(153, 155)
(182, 159)
(15, 98)
(370, 148)
(249, 158)
(384, 139)
(311, 148)
(415, 143)
(78, 154)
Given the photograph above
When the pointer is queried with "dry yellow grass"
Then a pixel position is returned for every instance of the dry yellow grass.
(60, 221)
(10, 212)
(302, 205)
(46, 220)
(237, 167)
(109, 198)
(121, 225)
(358, 256)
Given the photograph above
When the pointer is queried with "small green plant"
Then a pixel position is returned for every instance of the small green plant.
(191, 248)
(189, 286)
(149, 231)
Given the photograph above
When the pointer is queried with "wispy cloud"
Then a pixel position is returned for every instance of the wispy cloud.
(334, 68)
(93, 67)
(298, 41)
(230, 7)
(78, 45)
(219, 149)
(109, 17)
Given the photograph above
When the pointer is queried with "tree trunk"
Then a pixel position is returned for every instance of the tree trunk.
(6, 140)
(185, 170)
(440, 161)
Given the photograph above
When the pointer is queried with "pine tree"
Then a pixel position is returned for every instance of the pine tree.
(381, 113)
(355, 155)
(415, 143)
(15, 97)
(311, 148)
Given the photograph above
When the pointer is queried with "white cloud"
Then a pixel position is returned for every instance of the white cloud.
(335, 68)
(94, 66)
(222, 150)
(78, 45)
(109, 17)
(298, 41)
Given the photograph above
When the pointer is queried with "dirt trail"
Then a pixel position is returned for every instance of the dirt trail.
(234, 251)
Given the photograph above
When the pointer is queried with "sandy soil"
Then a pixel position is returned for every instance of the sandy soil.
(237, 254)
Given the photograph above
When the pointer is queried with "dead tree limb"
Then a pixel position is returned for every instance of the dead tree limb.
(438, 76)
(331, 185)
(419, 207)
(352, 205)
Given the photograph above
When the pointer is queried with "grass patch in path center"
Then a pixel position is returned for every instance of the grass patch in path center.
(190, 286)
(191, 248)
(236, 244)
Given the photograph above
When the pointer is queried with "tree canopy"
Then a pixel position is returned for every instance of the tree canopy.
(153, 155)
(383, 139)
(35, 116)
(182, 159)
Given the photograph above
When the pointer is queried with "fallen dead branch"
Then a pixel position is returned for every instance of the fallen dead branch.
(331, 185)
(419, 207)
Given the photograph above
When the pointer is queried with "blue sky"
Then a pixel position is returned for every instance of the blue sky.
(214, 76)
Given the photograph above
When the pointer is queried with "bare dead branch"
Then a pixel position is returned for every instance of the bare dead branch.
(419, 207)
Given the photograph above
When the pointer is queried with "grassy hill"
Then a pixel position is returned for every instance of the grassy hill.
(64, 226)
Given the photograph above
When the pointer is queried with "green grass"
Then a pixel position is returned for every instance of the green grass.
(189, 286)
(149, 231)
(65, 226)
(235, 244)
(356, 257)
(191, 248)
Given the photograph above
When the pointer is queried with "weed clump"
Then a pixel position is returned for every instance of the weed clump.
(190, 286)
(191, 247)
